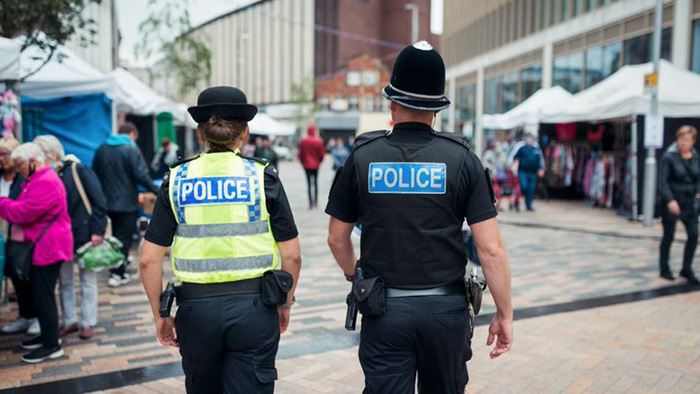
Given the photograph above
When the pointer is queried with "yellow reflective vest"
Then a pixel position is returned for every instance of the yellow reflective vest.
(223, 232)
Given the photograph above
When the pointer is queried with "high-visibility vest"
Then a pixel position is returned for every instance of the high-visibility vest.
(223, 232)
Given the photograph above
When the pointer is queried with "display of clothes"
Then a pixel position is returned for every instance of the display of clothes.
(9, 113)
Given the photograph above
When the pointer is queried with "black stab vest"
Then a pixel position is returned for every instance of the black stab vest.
(413, 241)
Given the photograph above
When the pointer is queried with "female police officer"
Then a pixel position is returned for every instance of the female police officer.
(231, 223)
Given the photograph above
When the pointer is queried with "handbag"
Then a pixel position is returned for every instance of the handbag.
(86, 200)
(19, 255)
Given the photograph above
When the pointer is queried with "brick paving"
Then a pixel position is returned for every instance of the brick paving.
(564, 252)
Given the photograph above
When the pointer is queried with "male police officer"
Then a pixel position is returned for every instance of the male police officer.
(411, 189)
(231, 224)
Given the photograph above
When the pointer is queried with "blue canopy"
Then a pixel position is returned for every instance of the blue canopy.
(82, 123)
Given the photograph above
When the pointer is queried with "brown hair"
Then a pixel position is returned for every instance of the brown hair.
(222, 132)
(128, 128)
(687, 129)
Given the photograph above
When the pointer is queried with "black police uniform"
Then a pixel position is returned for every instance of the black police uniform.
(228, 343)
(411, 189)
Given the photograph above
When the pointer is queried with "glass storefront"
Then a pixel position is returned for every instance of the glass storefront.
(530, 81)
(601, 62)
(492, 99)
(509, 92)
(568, 72)
(465, 107)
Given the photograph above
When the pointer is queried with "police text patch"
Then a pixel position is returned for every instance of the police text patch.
(215, 191)
(407, 178)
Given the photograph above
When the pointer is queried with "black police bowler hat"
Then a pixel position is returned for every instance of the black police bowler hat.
(418, 79)
(223, 101)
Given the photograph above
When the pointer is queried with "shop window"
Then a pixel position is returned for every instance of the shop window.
(509, 92)
(492, 99)
(530, 81)
(601, 62)
(611, 58)
(639, 49)
(695, 55)
(465, 107)
(568, 72)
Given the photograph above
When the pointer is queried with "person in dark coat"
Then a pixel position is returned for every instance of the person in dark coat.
(679, 191)
(11, 186)
(120, 166)
(87, 227)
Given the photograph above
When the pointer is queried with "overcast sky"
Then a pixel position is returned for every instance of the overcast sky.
(132, 12)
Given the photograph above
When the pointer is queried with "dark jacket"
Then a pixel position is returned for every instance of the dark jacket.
(679, 179)
(84, 224)
(120, 166)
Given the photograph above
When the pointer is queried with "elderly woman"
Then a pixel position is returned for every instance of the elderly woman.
(88, 222)
(41, 208)
(11, 187)
(679, 190)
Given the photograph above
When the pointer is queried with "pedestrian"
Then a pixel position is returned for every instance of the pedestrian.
(339, 153)
(40, 215)
(311, 153)
(679, 194)
(265, 151)
(164, 158)
(226, 245)
(120, 167)
(11, 187)
(413, 187)
(87, 210)
(529, 160)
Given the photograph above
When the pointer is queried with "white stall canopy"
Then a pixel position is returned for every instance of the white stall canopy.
(136, 97)
(9, 59)
(264, 124)
(528, 112)
(623, 95)
(65, 74)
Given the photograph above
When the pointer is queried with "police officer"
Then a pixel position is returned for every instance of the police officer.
(229, 223)
(412, 188)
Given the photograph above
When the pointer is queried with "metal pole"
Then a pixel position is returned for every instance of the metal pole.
(415, 27)
(635, 163)
(650, 162)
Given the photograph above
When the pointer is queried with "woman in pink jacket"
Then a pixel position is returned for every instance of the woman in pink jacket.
(42, 203)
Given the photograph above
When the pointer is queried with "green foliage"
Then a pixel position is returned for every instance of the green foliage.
(46, 24)
(167, 34)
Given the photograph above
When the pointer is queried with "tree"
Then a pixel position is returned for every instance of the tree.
(186, 56)
(46, 24)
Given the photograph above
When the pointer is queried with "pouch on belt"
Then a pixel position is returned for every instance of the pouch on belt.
(370, 296)
(276, 284)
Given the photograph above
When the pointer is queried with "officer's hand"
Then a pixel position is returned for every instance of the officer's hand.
(165, 331)
(500, 329)
(284, 318)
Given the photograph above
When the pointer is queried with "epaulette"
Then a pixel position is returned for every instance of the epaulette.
(260, 160)
(370, 136)
(183, 161)
(454, 138)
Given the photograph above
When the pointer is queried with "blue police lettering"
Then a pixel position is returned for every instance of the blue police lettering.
(407, 178)
(215, 191)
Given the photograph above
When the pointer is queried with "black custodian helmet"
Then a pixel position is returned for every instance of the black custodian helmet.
(418, 79)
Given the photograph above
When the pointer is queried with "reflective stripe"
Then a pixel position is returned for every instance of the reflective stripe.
(222, 230)
(217, 265)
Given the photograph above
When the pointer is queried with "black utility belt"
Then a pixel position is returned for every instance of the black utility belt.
(453, 289)
(274, 286)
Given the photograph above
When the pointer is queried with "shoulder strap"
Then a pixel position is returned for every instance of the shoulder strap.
(459, 139)
(370, 136)
(81, 189)
(45, 230)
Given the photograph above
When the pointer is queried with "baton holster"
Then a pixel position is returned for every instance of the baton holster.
(166, 300)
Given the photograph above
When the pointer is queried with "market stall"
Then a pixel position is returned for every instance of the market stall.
(527, 114)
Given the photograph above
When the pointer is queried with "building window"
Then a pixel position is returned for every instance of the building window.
(465, 107)
(370, 78)
(591, 5)
(695, 55)
(492, 99)
(353, 104)
(611, 58)
(578, 7)
(324, 103)
(563, 10)
(639, 49)
(509, 92)
(568, 72)
(552, 12)
(603, 3)
(369, 104)
(354, 78)
(543, 14)
(530, 81)
(601, 62)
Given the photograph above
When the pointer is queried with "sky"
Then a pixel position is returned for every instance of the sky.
(131, 13)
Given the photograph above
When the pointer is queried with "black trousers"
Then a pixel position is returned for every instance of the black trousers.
(43, 282)
(312, 181)
(228, 344)
(123, 228)
(23, 290)
(424, 335)
(689, 217)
